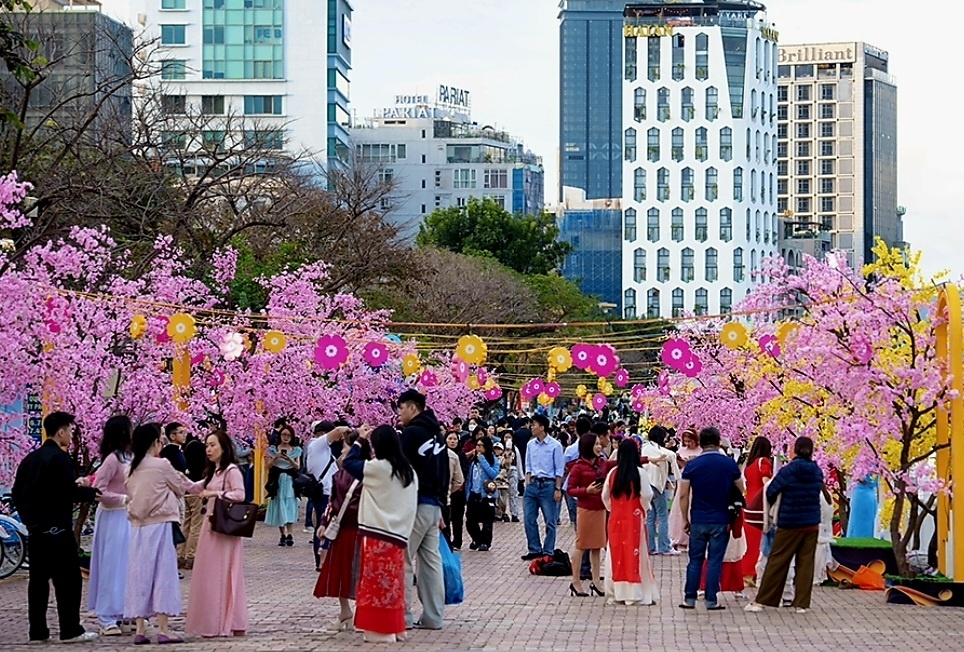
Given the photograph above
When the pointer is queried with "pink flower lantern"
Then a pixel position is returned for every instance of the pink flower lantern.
(622, 378)
(676, 353)
(605, 361)
(482, 375)
(770, 345)
(493, 394)
(638, 405)
(527, 391)
(663, 382)
(428, 378)
(537, 385)
(637, 391)
(460, 369)
(375, 354)
(599, 402)
(582, 355)
(693, 367)
(553, 390)
(331, 352)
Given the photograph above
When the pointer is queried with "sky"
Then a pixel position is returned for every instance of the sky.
(506, 52)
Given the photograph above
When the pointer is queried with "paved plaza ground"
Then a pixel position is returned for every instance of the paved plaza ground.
(506, 609)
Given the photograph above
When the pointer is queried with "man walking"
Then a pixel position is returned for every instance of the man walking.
(704, 501)
(544, 470)
(44, 492)
(425, 448)
(197, 461)
(662, 464)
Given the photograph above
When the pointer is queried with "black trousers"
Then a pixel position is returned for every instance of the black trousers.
(454, 515)
(53, 557)
(479, 515)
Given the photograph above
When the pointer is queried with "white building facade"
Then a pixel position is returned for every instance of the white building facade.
(278, 68)
(699, 170)
(438, 158)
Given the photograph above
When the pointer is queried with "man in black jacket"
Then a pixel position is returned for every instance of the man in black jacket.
(44, 493)
(197, 461)
(425, 448)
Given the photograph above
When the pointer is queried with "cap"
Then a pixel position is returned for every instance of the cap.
(498, 444)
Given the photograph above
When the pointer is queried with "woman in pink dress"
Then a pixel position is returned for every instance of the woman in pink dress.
(626, 494)
(690, 448)
(218, 605)
(757, 471)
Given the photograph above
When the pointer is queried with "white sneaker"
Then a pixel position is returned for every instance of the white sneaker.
(753, 607)
(800, 610)
(86, 637)
(307, 530)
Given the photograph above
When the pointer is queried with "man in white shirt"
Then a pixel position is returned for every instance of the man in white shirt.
(662, 465)
(320, 464)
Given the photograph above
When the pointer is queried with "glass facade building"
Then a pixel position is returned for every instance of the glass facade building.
(590, 96)
(339, 67)
(595, 263)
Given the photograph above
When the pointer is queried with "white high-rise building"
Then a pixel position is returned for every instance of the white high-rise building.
(699, 170)
(279, 67)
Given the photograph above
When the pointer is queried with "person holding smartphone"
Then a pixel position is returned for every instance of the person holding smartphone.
(283, 505)
(585, 485)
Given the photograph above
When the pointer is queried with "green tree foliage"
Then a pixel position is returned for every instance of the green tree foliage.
(528, 244)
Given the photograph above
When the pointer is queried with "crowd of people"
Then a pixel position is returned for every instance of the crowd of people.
(382, 500)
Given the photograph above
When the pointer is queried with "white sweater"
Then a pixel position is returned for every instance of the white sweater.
(386, 509)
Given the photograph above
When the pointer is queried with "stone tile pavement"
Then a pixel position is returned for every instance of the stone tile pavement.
(508, 610)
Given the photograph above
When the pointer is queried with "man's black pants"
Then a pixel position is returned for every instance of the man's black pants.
(53, 557)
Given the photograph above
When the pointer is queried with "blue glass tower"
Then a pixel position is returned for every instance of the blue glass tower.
(590, 96)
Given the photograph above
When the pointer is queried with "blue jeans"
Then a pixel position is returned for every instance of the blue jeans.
(319, 505)
(707, 541)
(571, 506)
(657, 523)
(539, 497)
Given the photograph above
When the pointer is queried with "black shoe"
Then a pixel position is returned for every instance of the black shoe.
(593, 589)
(473, 546)
(515, 519)
(574, 592)
(505, 519)
(289, 541)
(531, 555)
(483, 548)
(283, 542)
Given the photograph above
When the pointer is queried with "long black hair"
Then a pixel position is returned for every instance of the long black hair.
(228, 455)
(627, 482)
(487, 449)
(117, 437)
(761, 448)
(587, 447)
(388, 447)
(143, 438)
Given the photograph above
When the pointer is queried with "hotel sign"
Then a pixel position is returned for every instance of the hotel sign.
(843, 52)
(646, 31)
(454, 97)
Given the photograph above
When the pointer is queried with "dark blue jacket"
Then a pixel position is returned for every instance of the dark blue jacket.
(800, 482)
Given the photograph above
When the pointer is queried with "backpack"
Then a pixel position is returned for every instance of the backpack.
(556, 565)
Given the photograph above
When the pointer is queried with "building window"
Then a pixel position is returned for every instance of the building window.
(262, 105)
(639, 104)
(678, 51)
(662, 105)
(702, 146)
(738, 270)
(803, 93)
(629, 147)
(385, 175)
(781, 93)
(826, 148)
(652, 225)
(677, 146)
(212, 139)
(726, 300)
(174, 139)
(173, 34)
(686, 268)
(702, 304)
(782, 187)
(803, 168)
(173, 4)
(803, 204)
(781, 131)
(173, 69)
(748, 224)
(803, 130)
(827, 91)
(782, 112)
(726, 144)
(712, 103)
(803, 186)
(639, 265)
(711, 272)
(688, 107)
(652, 144)
(803, 112)
(827, 186)
(726, 224)
(803, 149)
(212, 104)
(828, 111)
(702, 225)
(827, 130)
(662, 184)
(712, 189)
(629, 304)
(629, 225)
(630, 59)
(496, 178)
(702, 57)
(639, 184)
(652, 58)
(463, 178)
(267, 139)
(174, 104)
(781, 150)
(738, 184)
(662, 265)
(827, 204)
(676, 231)
(652, 304)
(678, 302)
(687, 184)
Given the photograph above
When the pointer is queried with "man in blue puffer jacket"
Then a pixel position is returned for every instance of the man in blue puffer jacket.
(798, 486)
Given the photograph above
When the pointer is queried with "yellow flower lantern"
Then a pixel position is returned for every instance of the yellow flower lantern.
(275, 341)
(600, 383)
(606, 389)
(473, 382)
(138, 327)
(734, 335)
(786, 331)
(581, 391)
(544, 399)
(551, 375)
(489, 384)
(181, 328)
(471, 349)
(411, 364)
(560, 359)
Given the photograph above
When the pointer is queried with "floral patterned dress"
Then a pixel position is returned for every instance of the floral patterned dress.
(380, 606)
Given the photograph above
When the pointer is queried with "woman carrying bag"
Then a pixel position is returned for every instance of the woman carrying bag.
(480, 511)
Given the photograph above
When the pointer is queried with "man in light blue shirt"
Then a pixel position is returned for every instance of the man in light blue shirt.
(544, 471)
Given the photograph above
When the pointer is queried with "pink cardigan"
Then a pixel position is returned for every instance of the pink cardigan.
(155, 489)
(111, 479)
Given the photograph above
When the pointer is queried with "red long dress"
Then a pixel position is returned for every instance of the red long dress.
(755, 473)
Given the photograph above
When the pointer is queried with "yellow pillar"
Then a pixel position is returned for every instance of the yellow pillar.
(950, 430)
(181, 375)
(260, 473)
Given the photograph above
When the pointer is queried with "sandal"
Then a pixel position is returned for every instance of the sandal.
(164, 639)
(338, 625)
(112, 630)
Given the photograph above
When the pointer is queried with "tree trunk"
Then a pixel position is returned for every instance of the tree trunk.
(899, 543)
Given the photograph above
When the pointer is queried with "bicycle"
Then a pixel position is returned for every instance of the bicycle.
(13, 539)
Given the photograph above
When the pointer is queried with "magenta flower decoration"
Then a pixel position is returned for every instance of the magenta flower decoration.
(493, 394)
(552, 390)
(676, 353)
(197, 359)
(637, 391)
(217, 378)
(460, 369)
(482, 375)
(599, 402)
(770, 345)
(428, 378)
(663, 382)
(537, 386)
(375, 354)
(861, 348)
(331, 351)
(605, 361)
(622, 378)
(526, 391)
(638, 405)
(693, 367)
(582, 355)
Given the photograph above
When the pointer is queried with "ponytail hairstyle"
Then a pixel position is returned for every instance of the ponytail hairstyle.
(143, 438)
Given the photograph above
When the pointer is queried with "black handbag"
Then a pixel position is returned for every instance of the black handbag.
(233, 519)
(178, 534)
